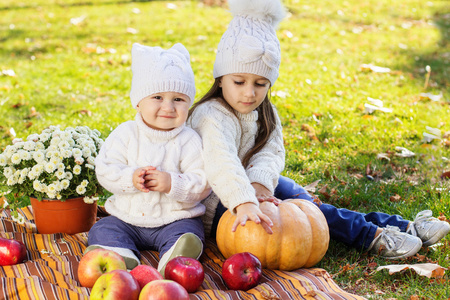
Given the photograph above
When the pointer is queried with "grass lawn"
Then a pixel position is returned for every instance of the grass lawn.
(67, 62)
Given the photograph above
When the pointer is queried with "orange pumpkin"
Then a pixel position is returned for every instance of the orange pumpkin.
(300, 236)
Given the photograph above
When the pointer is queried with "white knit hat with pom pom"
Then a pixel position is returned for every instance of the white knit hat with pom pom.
(250, 44)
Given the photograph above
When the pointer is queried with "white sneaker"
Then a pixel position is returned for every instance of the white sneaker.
(391, 243)
(188, 245)
(429, 229)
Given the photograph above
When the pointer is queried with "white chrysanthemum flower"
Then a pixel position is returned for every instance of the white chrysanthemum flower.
(9, 151)
(91, 160)
(18, 143)
(29, 146)
(33, 137)
(11, 180)
(44, 137)
(64, 144)
(77, 152)
(52, 148)
(77, 170)
(3, 160)
(89, 166)
(24, 172)
(40, 146)
(79, 160)
(65, 184)
(15, 158)
(59, 185)
(69, 176)
(90, 200)
(65, 135)
(71, 142)
(51, 188)
(66, 153)
(51, 195)
(8, 172)
(39, 169)
(58, 196)
(60, 174)
(61, 166)
(50, 167)
(87, 152)
(56, 161)
(24, 155)
(32, 175)
(19, 219)
(81, 190)
(39, 156)
(37, 185)
(84, 183)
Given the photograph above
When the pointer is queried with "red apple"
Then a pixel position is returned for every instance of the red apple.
(186, 271)
(115, 285)
(242, 271)
(12, 252)
(144, 274)
(163, 290)
(97, 262)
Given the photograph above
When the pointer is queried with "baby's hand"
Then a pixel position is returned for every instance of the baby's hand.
(157, 181)
(251, 212)
(138, 180)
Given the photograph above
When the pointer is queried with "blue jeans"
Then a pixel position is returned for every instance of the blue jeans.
(350, 227)
(113, 232)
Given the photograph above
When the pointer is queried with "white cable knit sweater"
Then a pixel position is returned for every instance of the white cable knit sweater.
(226, 139)
(179, 152)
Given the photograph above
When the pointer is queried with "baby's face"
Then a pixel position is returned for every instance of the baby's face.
(164, 111)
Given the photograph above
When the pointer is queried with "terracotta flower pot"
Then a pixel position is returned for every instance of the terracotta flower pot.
(70, 216)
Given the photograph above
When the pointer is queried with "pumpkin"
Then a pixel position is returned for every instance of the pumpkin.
(300, 236)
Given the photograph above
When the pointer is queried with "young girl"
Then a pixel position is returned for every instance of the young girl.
(153, 165)
(243, 143)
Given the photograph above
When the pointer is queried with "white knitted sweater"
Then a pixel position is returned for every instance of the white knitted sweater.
(226, 139)
(179, 152)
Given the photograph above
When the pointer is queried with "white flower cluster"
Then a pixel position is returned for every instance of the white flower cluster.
(55, 164)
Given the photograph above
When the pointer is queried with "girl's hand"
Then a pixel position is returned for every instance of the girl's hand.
(263, 194)
(157, 181)
(251, 212)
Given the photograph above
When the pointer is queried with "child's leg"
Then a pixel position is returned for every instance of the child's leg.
(180, 238)
(345, 226)
(113, 234)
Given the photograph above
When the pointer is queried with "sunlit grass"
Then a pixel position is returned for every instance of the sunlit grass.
(71, 61)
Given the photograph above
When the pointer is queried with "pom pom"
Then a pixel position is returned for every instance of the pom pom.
(272, 11)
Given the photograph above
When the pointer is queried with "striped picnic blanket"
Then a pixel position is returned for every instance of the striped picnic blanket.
(51, 270)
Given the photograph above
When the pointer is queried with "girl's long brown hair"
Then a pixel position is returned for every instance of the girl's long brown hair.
(266, 118)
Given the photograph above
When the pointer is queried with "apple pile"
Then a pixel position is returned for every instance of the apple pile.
(12, 252)
(105, 272)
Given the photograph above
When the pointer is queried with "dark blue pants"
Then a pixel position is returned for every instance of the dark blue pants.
(113, 232)
(350, 227)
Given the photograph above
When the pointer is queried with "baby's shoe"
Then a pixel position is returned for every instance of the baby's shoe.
(391, 243)
(429, 229)
(131, 260)
(188, 245)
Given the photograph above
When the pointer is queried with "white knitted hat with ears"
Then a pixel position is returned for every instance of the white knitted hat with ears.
(250, 44)
(156, 70)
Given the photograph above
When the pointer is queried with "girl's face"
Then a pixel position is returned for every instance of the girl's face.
(164, 111)
(244, 92)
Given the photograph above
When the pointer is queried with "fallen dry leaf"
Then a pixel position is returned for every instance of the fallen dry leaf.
(311, 188)
(395, 198)
(426, 269)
